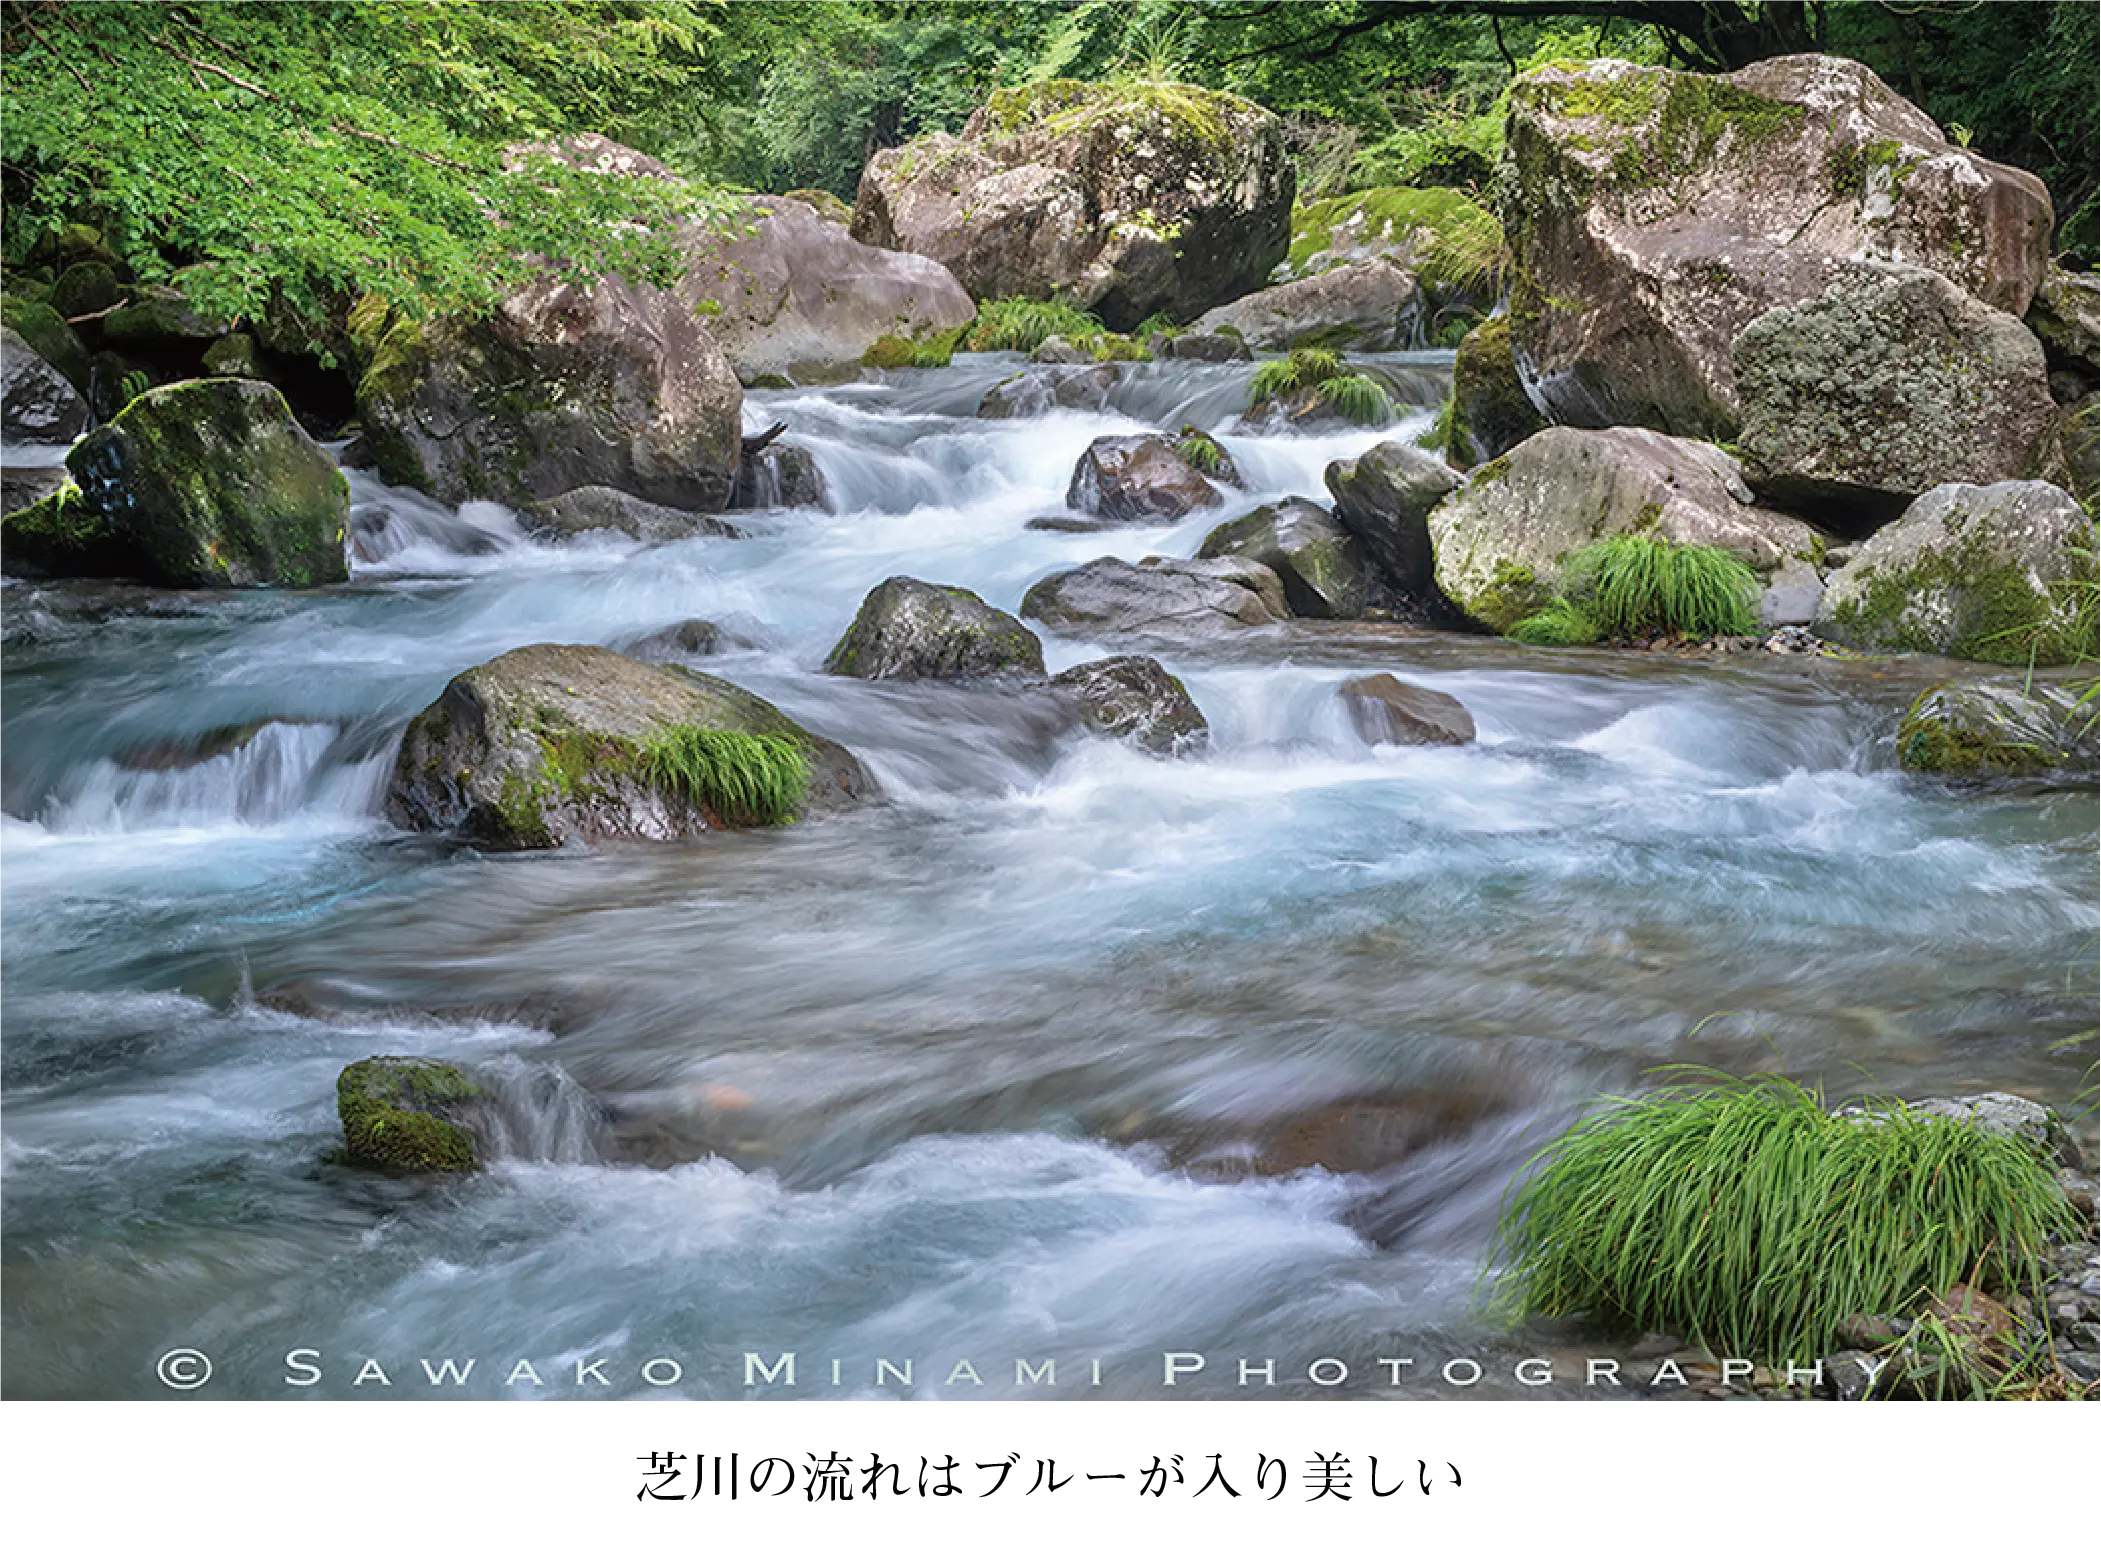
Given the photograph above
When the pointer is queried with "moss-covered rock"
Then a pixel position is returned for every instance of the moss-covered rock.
(1369, 306)
(214, 484)
(1318, 562)
(48, 336)
(551, 744)
(1489, 411)
(236, 355)
(2007, 726)
(1886, 384)
(1126, 198)
(823, 203)
(1653, 214)
(1135, 699)
(403, 1115)
(912, 630)
(1989, 573)
(37, 403)
(1444, 238)
(61, 535)
(154, 312)
(1500, 540)
(84, 288)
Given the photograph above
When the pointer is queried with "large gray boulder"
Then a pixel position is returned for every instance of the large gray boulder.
(1162, 598)
(1987, 573)
(1499, 542)
(1318, 562)
(800, 298)
(550, 744)
(1124, 198)
(912, 630)
(1366, 306)
(1135, 700)
(597, 509)
(1137, 478)
(1889, 382)
(1654, 214)
(1383, 499)
(2004, 726)
(561, 387)
(199, 484)
(36, 402)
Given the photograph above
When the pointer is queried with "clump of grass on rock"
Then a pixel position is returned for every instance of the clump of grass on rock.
(1635, 586)
(742, 779)
(1313, 383)
(1745, 1215)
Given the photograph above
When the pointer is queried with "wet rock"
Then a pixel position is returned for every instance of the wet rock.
(1137, 478)
(36, 402)
(2001, 1114)
(1383, 499)
(1125, 199)
(20, 487)
(1655, 214)
(404, 1115)
(597, 509)
(1367, 306)
(1888, 383)
(1499, 542)
(782, 476)
(1984, 573)
(1490, 411)
(1076, 525)
(1135, 700)
(2010, 726)
(1033, 393)
(677, 643)
(912, 630)
(200, 484)
(1318, 562)
(550, 744)
(84, 288)
(1201, 347)
(1387, 711)
(153, 312)
(48, 337)
(1173, 598)
(236, 354)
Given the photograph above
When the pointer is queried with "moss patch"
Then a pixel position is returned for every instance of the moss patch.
(393, 1110)
(1461, 244)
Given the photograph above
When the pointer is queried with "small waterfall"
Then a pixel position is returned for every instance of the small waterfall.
(404, 527)
(534, 1113)
(258, 775)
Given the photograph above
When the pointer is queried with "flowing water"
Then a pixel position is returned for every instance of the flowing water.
(994, 1071)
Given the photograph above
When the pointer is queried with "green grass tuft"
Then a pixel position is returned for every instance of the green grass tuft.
(1021, 325)
(1358, 398)
(1746, 1216)
(1559, 624)
(743, 779)
(1636, 585)
(1320, 372)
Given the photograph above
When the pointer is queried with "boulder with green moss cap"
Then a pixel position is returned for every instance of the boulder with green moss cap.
(913, 630)
(1992, 573)
(404, 1115)
(554, 744)
(2004, 726)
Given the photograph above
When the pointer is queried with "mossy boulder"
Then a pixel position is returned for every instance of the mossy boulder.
(1169, 599)
(551, 744)
(826, 205)
(2004, 726)
(236, 354)
(61, 535)
(404, 1115)
(84, 288)
(1369, 306)
(1886, 384)
(36, 402)
(1500, 540)
(597, 509)
(1135, 699)
(1653, 214)
(1383, 500)
(1137, 478)
(1989, 573)
(1444, 238)
(154, 312)
(563, 386)
(48, 336)
(211, 484)
(1125, 198)
(912, 630)
(1490, 411)
(1318, 562)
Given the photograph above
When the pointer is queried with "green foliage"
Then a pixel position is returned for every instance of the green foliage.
(743, 779)
(1021, 325)
(1559, 624)
(1205, 454)
(1637, 585)
(1357, 398)
(1317, 378)
(1745, 1215)
(913, 353)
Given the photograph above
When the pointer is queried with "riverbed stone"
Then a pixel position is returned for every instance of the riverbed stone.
(548, 744)
(1034, 392)
(1322, 570)
(1383, 499)
(1127, 199)
(1201, 347)
(405, 1115)
(1884, 385)
(1988, 573)
(1136, 700)
(1500, 541)
(1654, 214)
(595, 508)
(1367, 306)
(913, 630)
(1388, 711)
(1165, 598)
(36, 402)
(781, 477)
(1134, 478)
(2005, 726)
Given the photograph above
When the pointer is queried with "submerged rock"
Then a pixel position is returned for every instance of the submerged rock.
(1387, 711)
(1135, 700)
(595, 508)
(1316, 559)
(912, 630)
(1383, 499)
(1137, 478)
(550, 744)
(2006, 726)
(1173, 598)
(1988, 573)
(404, 1115)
